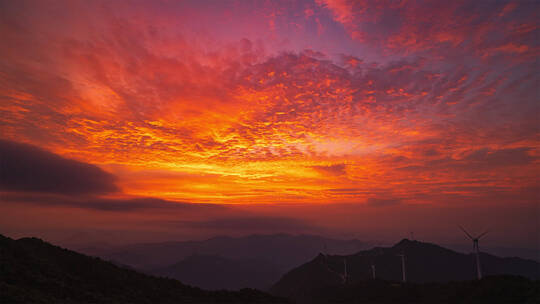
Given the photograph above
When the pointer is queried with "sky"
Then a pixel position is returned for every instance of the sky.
(127, 121)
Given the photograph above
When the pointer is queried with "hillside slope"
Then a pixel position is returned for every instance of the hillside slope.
(33, 271)
(424, 262)
(491, 289)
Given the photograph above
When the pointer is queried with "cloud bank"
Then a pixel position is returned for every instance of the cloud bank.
(28, 168)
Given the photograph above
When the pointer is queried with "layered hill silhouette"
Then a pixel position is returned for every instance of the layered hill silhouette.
(284, 251)
(424, 262)
(215, 272)
(255, 261)
(33, 271)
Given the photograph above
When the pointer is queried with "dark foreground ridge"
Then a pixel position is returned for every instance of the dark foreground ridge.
(436, 274)
(492, 289)
(33, 271)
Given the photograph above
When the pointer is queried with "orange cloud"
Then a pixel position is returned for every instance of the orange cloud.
(186, 117)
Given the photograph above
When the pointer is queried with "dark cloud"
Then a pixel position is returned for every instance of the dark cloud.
(381, 202)
(479, 159)
(105, 204)
(28, 168)
(258, 223)
(503, 157)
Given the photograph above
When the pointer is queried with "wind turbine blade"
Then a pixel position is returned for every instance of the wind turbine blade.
(466, 233)
(484, 233)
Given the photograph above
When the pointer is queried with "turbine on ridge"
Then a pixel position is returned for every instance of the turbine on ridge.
(403, 269)
(476, 250)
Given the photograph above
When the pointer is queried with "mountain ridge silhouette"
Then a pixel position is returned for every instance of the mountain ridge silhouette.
(425, 262)
(34, 271)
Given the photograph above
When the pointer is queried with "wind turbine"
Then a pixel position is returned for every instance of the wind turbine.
(373, 270)
(345, 275)
(403, 270)
(476, 250)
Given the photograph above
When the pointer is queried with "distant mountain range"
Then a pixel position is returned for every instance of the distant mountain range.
(255, 261)
(501, 251)
(33, 271)
(284, 251)
(424, 262)
(258, 261)
(215, 272)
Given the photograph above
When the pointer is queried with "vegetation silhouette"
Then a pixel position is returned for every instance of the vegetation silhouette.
(491, 289)
(33, 271)
(435, 274)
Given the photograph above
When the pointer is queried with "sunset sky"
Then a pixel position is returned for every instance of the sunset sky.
(156, 120)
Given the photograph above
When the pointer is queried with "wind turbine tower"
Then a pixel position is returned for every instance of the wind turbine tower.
(476, 250)
(345, 275)
(403, 270)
